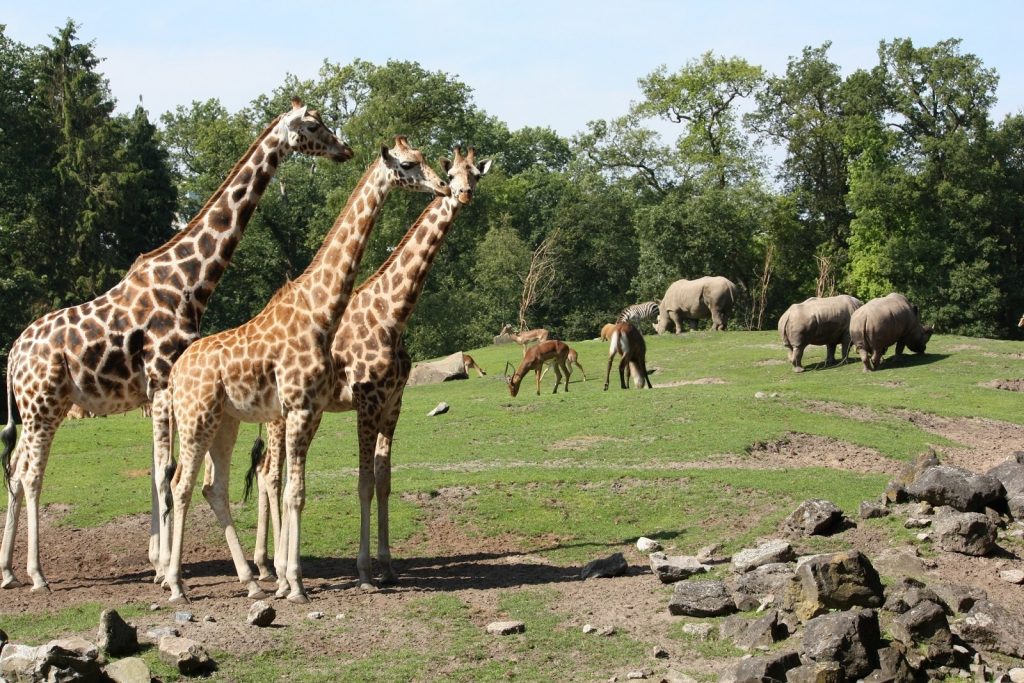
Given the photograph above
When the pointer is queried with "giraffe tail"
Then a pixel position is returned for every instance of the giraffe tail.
(9, 436)
(256, 457)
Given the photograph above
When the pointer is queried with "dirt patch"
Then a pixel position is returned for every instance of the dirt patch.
(964, 347)
(859, 413)
(1009, 356)
(986, 443)
(1005, 384)
(582, 443)
(772, 361)
(683, 382)
(797, 450)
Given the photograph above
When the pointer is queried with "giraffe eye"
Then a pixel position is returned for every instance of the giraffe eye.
(408, 164)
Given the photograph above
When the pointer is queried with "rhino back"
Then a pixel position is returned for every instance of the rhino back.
(819, 320)
(882, 322)
(685, 296)
(719, 292)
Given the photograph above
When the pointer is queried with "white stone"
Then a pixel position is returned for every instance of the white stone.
(647, 545)
(589, 628)
(505, 628)
(1016, 675)
(315, 615)
(1012, 575)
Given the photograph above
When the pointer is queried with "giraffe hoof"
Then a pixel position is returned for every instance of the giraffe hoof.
(298, 599)
(257, 594)
(178, 600)
(267, 576)
(42, 588)
(10, 582)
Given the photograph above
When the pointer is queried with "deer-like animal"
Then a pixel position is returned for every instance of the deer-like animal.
(528, 337)
(606, 331)
(554, 352)
(570, 360)
(471, 364)
(627, 341)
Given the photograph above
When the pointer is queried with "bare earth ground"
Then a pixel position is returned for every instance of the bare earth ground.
(108, 565)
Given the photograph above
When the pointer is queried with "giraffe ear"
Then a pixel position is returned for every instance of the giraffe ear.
(295, 117)
(385, 153)
(446, 164)
(484, 166)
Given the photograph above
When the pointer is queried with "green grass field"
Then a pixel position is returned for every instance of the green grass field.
(576, 475)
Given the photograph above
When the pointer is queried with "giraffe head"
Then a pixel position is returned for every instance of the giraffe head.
(305, 132)
(464, 172)
(406, 168)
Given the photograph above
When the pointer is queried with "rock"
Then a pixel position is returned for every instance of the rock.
(772, 666)
(647, 545)
(17, 662)
(1012, 575)
(1010, 474)
(896, 491)
(676, 567)
(606, 567)
(922, 508)
(762, 632)
(956, 487)
(154, 607)
(1016, 674)
(699, 630)
(158, 632)
(1015, 505)
(209, 618)
(768, 583)
(988, 626)
(968, 533)
(769, 552)
(505, 628)
(925, 624)
(813, 517)
(836, 581)
(906, 594)
(440, 409)
(658, 652)
(869, 510)
(184, 617)
(709, 553)
(589, 628)
(816, 672)
(958, 598)
(261, 614)
(639, 675)
(116, 637)
(850, 638)
(187, 656)
(607, 631)
(917, 523)
(66, 659)
(893, 666)
(315, 615)
(435, 372)
(128, 670)
(701, 599)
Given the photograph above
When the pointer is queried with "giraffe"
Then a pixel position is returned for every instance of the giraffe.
(277, 366)
(373, 366)
(114, 353)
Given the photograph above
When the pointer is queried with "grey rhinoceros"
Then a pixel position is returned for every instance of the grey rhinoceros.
(711, 296)
(885, 321)
(820, 321)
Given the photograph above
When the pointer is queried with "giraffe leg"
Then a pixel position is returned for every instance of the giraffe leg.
(367, 484)
(163, 471)
(301, 425)
(382, 475)
(15, 497)
(215, 490)
(268, 480)
(34, 451)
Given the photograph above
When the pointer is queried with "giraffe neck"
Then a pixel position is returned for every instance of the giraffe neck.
(327, 283)
(196, 258)
(399, 281)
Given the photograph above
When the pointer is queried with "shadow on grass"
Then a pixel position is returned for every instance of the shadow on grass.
(910, 360)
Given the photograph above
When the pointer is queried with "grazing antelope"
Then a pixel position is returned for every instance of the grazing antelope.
(471, 364)
(528, 337)
(554, 352)
(628, 341)
(606, 331)
(570, 360)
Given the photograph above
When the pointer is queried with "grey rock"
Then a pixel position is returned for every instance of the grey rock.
(709, 554)
(315, 615)
(870, 510)
(116, 637)
(925, 625)
(896, 491)
(901, 561)
(639, 674)
(893, 666)
(128, 670)
(956, 487)
(917, 523)
(658, 652)
(505, 628)
(773, 666)
(1015, 506)
(261, 614)
(762, 632)
(184, 654)
(769, 552)
(182, 617)
(434, 372)
(987, 626)
(589, 628)
(768, 583)
(907, 593)
(958, 598)
(1016, 674)
(158, 632)
(701, 599)
(606, 567)
(1010, 474)
(66, 659)
(699, 630)
(816, 672)
(836, 581)
(647, 545)
(675, 567)
(440, 409)
(1012, 575)
(813, 517)
(968, 533)
(851, 638)
(17, 662)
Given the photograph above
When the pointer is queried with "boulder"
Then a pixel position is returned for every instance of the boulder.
(762, 632)
(606, 567)
(956, 487)
(987, 626)
(767, 667)
(505, 628)
(675, 567)
(893, 666)
(647, 545)
(925, 625)
(435, 372)
(17, 662)
(968, 533)
(813, 517)
(769, 552)
(896, 491)
(701, 599)
(1015, 506)
(66, 659)
(128, 670)
(901, 561)
(907, 593)
(816, 672)
(115, 636)
(851, 638)
(769, 583)
(958, 598)
(187, 656)
(836, 581)
(1010, 474)
(870, 510)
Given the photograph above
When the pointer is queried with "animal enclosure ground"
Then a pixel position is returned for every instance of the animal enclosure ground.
(498, 503)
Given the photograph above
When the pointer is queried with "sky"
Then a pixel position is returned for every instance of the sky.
(556, 64)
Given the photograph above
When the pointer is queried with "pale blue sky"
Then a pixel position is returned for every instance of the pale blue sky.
(529, 63)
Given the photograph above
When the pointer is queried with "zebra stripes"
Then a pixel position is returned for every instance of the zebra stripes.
(637, 313)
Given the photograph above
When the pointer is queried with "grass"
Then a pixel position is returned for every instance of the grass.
(570, 476)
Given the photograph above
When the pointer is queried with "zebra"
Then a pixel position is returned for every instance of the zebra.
(637, 313)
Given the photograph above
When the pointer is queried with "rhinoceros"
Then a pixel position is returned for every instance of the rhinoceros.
(820, 321)
(693, 300)
(888, 320)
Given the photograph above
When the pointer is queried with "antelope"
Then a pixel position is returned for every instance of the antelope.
(554, 352)
(606, 331)
(528, 337)
(471, 364)
(628, 341)
(570, 360)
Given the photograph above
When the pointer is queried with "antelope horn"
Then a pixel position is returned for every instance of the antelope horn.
(507, 366)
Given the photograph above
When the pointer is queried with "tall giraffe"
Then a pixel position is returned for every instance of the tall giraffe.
(372, 367)
(114, 353)
(277, 366)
